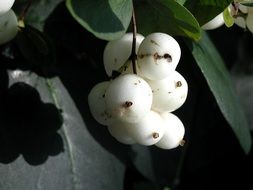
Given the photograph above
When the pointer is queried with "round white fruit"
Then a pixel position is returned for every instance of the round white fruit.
(149, 130)
(129, 98)
(158, 56)
(174, 132)
(119, 130)
(8, 27)
(240, 21)
(249, 22)
(243, 8)
(5, 6)
(216, 22)
(117, 52)
(97, 105)
(170, 93)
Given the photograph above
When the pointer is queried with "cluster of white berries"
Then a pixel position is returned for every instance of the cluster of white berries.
(8, 21)
(243, 17)
(137, 108)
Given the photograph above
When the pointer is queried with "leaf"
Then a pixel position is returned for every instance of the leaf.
(219, 81)
(228, 19)
(36, 47)
(181, 2)
(79, 162)
(38, 12)
(248, 3)
(165, 16)
(105, 19)
(205, 10)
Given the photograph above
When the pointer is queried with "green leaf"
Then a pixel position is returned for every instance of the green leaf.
(35, 47)
(248, 3)
(181, 2)
(46, 153)
(205, 10)
(105, 19)
(219, 81)
(229, 20)
(166, 16)
(38, 12)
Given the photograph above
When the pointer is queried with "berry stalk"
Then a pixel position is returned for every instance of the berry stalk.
(133, 56)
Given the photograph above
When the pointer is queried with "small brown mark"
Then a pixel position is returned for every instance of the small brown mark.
(153, 42)
(182, 142)
(168, 57)
(155, 135)
(178, 84)
(127, 104)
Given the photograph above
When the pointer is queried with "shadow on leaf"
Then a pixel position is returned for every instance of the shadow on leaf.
(28, 126)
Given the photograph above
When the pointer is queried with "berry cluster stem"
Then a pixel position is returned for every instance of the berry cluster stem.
(25, 10)
(133, 53)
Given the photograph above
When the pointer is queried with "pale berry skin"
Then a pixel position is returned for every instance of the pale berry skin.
(128, 98)
(174, 132)
(119, 130)
(117, 52)
(240, 21)
(5, 6)
(170, 93)
(8, 27)
(249, 22)
(97, 105)
(149, 130)
(158, 56)
(216, 22)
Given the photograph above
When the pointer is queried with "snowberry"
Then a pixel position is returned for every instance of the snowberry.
(119, 130)
(8, 26)
(170, 93)
(148, 131)
(240, 21)
(117, 52)
(249, 22)
(97, 105)
(158, 56)
(174, 132)
(128, 98)
(5, 6)
(216, 22)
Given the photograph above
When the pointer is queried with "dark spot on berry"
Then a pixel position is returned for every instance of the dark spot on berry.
(178, 84)
(168, 57)
(155, 135)
(153, 42)
(128, 104)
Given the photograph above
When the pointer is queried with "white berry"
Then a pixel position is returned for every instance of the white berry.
(8, 26)
(129, 98)
(216, 22)
(149, 130)
(158, 56)
(5, 6)
(97, 105)
(174, 132)
(117, 52)
(249, 22)
(170, 93)
(240, 21)
(119, 130)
